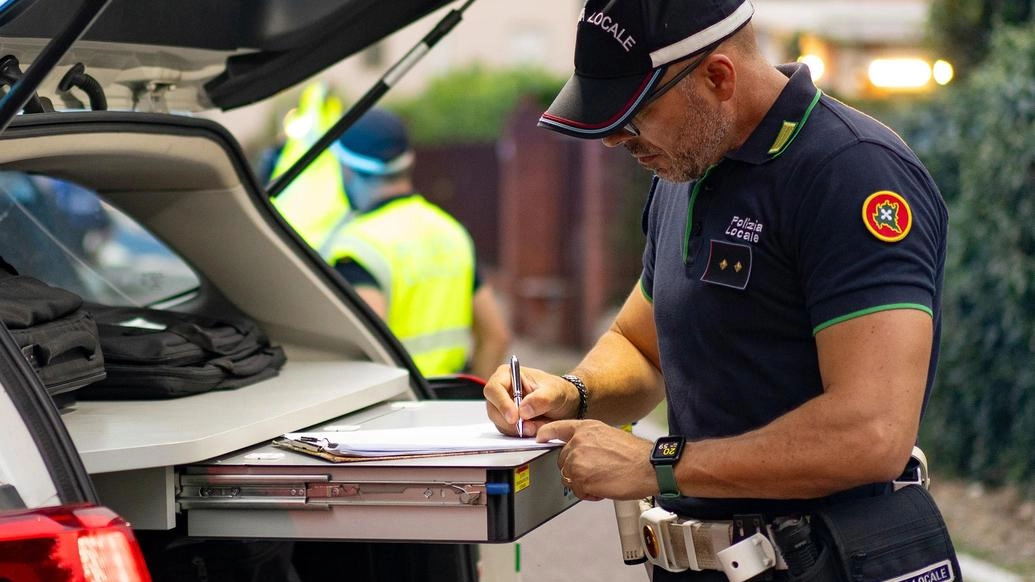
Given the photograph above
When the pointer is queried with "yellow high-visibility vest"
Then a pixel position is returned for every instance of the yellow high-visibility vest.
(315, 201)
(423, 261)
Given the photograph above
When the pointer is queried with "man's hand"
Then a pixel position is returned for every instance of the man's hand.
(545, 398)
(600, 461)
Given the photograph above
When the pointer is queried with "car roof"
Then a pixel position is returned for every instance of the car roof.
(202, 54)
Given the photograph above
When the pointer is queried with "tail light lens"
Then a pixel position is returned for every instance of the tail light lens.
(69, 544)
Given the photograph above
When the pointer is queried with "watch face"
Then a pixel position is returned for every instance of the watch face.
(667, 448)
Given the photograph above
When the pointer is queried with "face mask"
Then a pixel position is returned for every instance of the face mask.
(360, 192)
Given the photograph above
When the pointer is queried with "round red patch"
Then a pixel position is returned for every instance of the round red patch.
(887, 216)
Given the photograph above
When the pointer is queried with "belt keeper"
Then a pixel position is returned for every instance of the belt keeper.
(748, 558)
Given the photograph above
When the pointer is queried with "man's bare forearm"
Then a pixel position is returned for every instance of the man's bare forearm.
(621, 372)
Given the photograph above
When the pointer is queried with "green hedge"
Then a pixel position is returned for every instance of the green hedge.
(472, 105)
(979, 143)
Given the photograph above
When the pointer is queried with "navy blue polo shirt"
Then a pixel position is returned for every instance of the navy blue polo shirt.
(823, 215)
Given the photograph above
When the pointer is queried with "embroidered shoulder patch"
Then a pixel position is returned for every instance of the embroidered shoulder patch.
(887, 216)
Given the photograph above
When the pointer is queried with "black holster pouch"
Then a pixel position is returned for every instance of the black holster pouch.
(900, 537)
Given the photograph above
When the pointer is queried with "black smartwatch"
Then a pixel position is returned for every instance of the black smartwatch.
(664, 457)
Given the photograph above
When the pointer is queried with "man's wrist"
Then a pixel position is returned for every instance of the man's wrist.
(666, 453)
(583, 405)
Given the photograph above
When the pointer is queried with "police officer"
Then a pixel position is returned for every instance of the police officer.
(408, 259)
(788, 306)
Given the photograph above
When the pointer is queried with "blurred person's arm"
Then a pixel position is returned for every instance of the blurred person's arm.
(374, 298)
(490, 332)
(365, 286)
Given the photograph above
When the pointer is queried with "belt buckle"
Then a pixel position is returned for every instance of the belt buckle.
(916, 472)
(657, 542)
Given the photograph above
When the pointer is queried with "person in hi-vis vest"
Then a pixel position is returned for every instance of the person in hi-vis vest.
(315, 201)
(408, 259)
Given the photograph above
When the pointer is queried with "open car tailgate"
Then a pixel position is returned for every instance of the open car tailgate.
(205, 461)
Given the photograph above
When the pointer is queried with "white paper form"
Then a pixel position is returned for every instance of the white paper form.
(419, 440)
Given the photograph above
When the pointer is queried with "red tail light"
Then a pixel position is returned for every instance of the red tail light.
(69, 544)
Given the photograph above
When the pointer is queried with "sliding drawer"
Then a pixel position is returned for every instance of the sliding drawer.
(269, 492)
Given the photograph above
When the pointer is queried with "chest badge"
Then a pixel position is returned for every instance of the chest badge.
(729, 265)
(887, 216)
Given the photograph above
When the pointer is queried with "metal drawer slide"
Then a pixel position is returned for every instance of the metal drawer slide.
(318, 492)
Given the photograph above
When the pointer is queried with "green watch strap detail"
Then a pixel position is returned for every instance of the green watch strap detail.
(667, 481)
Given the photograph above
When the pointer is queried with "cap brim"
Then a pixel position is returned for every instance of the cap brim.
(592, 108)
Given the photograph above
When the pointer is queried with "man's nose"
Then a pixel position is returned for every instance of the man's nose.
(617, 138)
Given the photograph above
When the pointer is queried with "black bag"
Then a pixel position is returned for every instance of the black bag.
(57, 336)
(154, 354)
(900, 537)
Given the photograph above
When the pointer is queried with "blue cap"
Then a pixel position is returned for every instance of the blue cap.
(376, 144)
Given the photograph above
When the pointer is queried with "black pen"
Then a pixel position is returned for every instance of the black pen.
(515, 381)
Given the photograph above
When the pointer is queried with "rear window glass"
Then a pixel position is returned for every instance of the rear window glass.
(66, 235)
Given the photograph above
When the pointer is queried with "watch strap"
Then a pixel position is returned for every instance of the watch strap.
(667, 480)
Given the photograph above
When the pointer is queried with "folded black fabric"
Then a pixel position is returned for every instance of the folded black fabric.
(56, 335)
(154, 354)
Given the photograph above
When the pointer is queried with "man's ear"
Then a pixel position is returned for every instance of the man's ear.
(720, 76)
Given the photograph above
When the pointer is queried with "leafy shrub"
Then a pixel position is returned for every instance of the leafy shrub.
(472, 105)
(979, 143)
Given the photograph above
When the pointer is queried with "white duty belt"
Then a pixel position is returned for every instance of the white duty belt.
(678, 543)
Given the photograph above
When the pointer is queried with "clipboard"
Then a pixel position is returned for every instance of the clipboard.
(407, 442)
(316, 450)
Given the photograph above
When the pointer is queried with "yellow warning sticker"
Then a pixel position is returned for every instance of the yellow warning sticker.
(521, 478)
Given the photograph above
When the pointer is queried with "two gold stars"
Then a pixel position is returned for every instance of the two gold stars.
(725, 264)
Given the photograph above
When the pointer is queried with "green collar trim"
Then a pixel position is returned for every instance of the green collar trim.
(790, 129)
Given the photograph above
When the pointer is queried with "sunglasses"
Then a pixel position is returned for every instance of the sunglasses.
(629, 126)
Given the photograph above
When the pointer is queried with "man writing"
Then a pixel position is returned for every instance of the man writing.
(788, 307)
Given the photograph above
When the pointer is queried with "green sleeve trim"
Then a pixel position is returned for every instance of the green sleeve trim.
(876, 309)
(645, 292)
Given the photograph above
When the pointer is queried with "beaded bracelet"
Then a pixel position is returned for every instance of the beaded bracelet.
(583, 395)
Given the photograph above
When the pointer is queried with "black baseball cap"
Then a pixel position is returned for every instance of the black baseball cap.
(621, 50)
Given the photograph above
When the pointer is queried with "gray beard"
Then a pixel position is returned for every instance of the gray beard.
(702, 136)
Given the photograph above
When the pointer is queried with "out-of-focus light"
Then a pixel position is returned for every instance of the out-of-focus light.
(815, 64)
(296, 125)
(903, 73)
(943, 72)
(899, 74)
